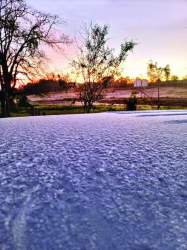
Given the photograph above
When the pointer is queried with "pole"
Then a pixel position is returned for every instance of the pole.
(158, 103)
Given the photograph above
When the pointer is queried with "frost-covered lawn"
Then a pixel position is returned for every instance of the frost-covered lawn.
(113, 181)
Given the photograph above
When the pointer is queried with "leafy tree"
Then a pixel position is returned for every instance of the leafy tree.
(154, 72)
(157, 73)
(97, 64)
(167, 72)
(176, 78)
(22, 32)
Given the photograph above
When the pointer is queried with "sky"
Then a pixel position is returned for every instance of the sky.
(158, 26)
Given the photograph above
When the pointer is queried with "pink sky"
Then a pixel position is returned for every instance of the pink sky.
(158, 26)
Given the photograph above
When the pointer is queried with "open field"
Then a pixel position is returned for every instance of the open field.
(67, 102)
(100, 181)
(71, 97)
(113, 100)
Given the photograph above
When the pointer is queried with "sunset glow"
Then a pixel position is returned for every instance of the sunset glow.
(159, 28)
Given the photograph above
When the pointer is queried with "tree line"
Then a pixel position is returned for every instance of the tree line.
(46, 85)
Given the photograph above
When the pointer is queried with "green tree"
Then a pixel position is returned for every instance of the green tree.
(156, 74)
(97, 64)
(175, 78)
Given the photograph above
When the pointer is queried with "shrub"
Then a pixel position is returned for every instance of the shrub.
(132, 103)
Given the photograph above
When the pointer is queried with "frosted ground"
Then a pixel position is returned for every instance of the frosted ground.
(113, 181)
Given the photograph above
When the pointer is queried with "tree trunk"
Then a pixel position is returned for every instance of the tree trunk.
(5, 104)
(88, 106)
(2, 105)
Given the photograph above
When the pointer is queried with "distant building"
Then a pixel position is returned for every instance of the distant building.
(139, 83)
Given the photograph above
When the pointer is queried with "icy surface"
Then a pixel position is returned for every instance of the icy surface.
(113, 181)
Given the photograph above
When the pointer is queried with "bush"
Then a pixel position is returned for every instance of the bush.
(132, 103)
(23, 101)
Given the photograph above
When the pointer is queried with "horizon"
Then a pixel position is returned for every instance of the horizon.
(157, 26)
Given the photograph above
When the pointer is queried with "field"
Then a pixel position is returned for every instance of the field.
(113, 94)
(113, 100)
(67, 102)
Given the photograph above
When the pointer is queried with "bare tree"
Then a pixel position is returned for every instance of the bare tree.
(97, 64)
(22, 32)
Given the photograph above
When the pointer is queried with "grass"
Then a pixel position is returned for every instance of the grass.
(60, 109)
(63, 110)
